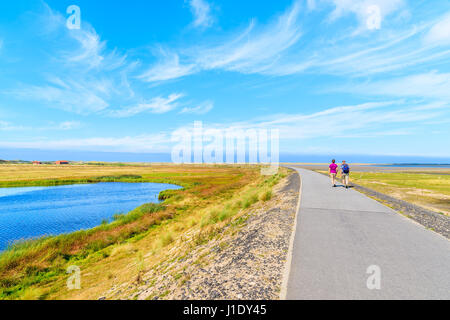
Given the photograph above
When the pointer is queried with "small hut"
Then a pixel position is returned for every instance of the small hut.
(60, 162)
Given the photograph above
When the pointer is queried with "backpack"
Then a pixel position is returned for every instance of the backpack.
(345, 168)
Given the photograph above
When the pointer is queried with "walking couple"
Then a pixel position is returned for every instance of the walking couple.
(345, 173)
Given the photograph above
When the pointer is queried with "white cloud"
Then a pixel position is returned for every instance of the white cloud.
(202, 13)
(277, 48)
(82, 97)
(141, 143)
(432, 85)
(360, 8)
(65, 125)
(90, 48)
(156, 105)
(311, 4)
(85, 76)
(167, 69)
(203, 108)
(91, 51)
(68, 125)
(440, 32)
(254, 50)
(368, 120)
(7, 126)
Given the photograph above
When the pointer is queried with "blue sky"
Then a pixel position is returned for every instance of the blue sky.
(334, 76)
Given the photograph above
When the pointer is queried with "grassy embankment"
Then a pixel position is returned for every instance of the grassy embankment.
(213, 197)
(429, 190)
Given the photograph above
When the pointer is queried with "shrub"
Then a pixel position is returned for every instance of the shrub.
(266, 196)
(166, 239)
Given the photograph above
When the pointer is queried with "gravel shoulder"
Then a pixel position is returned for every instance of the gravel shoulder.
(245, 261)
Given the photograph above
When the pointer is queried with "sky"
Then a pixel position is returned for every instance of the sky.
(335, 77)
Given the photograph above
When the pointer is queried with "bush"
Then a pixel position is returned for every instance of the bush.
(266, 196)
(166, 239)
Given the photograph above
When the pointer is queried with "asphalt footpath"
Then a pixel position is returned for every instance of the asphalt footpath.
(349, 246)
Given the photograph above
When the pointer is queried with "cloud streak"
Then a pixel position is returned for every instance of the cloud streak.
(362, 121)
(203, 108)
(277, 48)
(86, 77)
(157, 105)
(431, 85)
(253, 50)
(439, 34)
(202, 13)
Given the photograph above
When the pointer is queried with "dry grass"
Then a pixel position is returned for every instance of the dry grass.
(114, 253)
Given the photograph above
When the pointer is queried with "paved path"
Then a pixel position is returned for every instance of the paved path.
(340, 233)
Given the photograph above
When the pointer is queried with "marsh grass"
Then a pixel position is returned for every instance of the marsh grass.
(211, 198)
(266, 196)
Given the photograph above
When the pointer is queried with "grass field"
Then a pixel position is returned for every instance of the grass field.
(213, 197)
(429, 190)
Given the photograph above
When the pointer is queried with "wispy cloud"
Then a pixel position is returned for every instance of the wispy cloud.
(65, 125)
(361, 8)
(85, 76)
(168, 68)
(82, 97)
(156, 105)
(439, 34)
(68, 125)
(253, 50)
(142, 143)
(277, 48)
(317, 46)
(202, 13)
(7, 126)
(368, 120)
(364, 121)
(203, 108)
(432, 85)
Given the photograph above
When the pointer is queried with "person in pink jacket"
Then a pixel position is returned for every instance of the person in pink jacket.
(333, 172)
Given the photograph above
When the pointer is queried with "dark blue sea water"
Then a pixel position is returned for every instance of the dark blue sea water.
(413, 165)
(37, 211)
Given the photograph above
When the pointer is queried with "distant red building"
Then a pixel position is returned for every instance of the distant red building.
(36, 163)
(59, 162)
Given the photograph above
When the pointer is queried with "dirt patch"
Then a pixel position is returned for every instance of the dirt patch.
(246, 261)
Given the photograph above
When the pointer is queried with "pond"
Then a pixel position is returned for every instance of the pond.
(39, 211)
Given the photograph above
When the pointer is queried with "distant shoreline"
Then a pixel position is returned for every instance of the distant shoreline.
(307, 164)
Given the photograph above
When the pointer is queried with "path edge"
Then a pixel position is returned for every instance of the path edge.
(287, 267)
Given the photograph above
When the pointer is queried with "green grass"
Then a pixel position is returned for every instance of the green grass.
(266, 196)
(429, 190)
(433, 182)
(210, 198)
